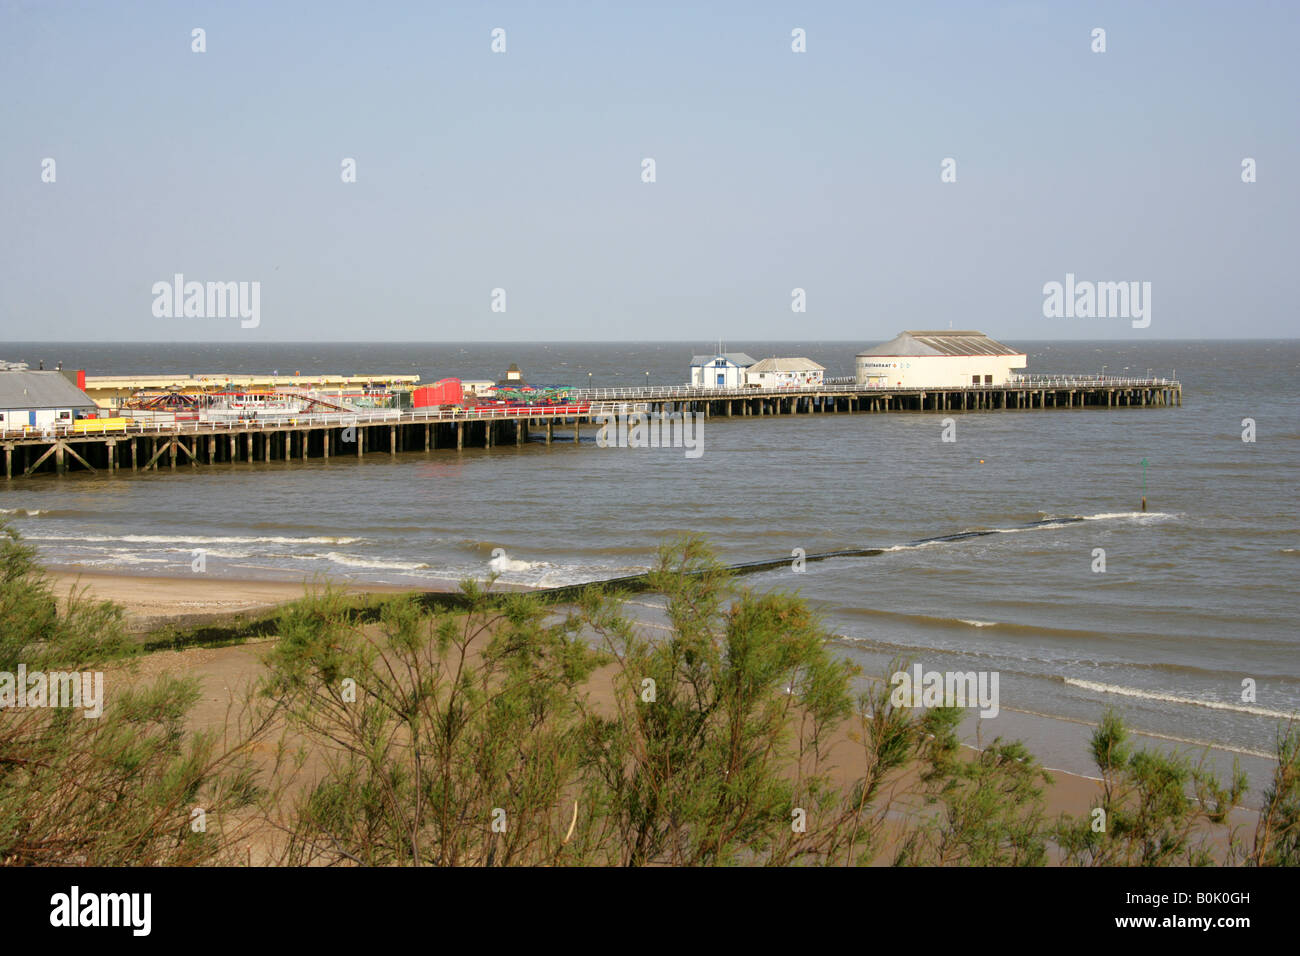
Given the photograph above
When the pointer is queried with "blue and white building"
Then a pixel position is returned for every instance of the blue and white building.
(720, 370)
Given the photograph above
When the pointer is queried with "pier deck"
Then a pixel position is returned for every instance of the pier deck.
(151, 445)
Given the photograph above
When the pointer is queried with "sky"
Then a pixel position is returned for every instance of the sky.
(524, 170)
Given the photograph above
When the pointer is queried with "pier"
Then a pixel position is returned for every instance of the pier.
(141, 446)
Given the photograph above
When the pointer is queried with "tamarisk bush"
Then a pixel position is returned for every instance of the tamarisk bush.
(118, 789)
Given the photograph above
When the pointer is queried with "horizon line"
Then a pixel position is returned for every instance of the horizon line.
(801, 341)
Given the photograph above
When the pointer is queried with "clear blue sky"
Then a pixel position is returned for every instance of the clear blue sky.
(522, 170)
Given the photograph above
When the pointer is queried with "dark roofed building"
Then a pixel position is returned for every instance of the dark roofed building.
(36, 399)
(513, 378)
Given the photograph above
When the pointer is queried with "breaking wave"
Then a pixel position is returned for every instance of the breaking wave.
(501, 563)
(360, 561)
(1174, 698)
(192, 539)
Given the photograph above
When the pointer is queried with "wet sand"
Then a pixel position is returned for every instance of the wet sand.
(152, 603)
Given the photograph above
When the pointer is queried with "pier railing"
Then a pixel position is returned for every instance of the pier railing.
(334, 420)
(841, 387)
(1085, 381)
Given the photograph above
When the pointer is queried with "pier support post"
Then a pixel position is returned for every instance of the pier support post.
(577, 431)
(9, 461)
(460, 435)
(361, 441)
(550, 430)
(392, 439)
(428, 435)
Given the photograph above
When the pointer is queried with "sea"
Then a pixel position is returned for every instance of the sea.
(1182, 617)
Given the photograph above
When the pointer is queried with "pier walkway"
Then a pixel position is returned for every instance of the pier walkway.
(148, 445)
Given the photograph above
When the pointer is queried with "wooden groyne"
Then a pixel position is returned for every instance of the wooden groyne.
(145, 446)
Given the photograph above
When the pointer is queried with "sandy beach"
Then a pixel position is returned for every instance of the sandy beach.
(152, 602)
(225, 673)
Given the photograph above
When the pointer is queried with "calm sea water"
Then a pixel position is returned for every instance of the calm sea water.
(1199, 593)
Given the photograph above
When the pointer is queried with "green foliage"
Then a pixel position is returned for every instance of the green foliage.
(447, 739)
(990, 807)
(112, 790)
(1277, 835)
(714, 754)
(1155, 807)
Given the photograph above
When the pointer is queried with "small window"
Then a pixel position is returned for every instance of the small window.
(988, 379)
(974, 379)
